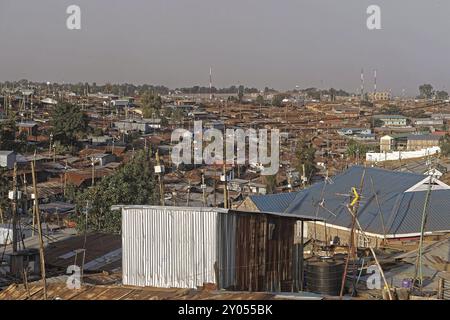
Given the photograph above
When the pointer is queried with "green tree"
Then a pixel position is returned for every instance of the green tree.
(151, 105)
(271, 183)
(241, 90)
(4, 189)
(355, 149)
(259, 100)
(305, 154)
(426, 91)
(133, 183)
(177, 115)
(8, 135)
(69, 122)
(277, 99)
(444, 143)
(442, 95)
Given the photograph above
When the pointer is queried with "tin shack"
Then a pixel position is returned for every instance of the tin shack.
(189, 247)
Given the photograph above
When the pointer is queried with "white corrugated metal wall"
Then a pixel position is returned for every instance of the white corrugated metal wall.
(173, 246)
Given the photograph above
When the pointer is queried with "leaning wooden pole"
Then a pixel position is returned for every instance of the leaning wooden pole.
(418, 270)
(38, 220)
(354, 211)
(386, 284)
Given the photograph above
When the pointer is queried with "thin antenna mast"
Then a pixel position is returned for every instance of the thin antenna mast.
(375, 82)
(362, 84)
(210, 83)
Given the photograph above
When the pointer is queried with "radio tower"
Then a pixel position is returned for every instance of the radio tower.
(210, 83)
(375, 81)
(362, 85)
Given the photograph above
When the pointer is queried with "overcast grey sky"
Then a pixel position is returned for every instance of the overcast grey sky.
(276, 43)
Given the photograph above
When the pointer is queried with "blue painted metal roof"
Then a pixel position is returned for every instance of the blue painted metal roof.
(401, 212)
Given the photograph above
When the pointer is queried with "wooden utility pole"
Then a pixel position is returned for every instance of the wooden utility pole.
(352, 248)
(215, 186)
(65, 179)
(14, 208)
(38, 220)
(93, 171)
(418, 270)
(25, 203)
(174, 198)
(225, 187)
(160, 171)
(379, 210)
(188, 199)
(386, 284)
(204, 189)
(50, 145)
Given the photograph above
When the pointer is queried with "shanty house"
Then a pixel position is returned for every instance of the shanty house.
(391, 205)
(102, 159)
(30, 128)
(188, 247)
(391, 120)
(7, 159)
(422, 141)
(144, 126)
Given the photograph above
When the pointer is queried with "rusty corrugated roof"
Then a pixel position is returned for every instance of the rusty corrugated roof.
(90, 292)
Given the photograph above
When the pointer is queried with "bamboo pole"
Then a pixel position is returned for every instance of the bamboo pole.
(351, 248)
(38, 220)
(375, 257)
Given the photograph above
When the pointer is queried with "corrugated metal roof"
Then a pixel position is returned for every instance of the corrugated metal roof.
(110, 292)
(219, 210)
(401, 212)
(423, 137)
(100, 252)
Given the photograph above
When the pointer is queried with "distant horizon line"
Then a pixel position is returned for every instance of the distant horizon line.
(205, 86)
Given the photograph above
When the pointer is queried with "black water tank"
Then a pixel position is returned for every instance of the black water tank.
(324, 276)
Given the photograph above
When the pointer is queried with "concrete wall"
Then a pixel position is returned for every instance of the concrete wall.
(396, 155)
(320, 232)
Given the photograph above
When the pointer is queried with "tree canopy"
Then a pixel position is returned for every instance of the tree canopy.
(8, 135)
(445, 145)
(151, 104)
(133, 183)
(4, 189)
(356, 149)
(426, 91)
(305, 156)
(69, 122)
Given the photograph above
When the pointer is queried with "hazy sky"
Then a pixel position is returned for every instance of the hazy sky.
(276, 43)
